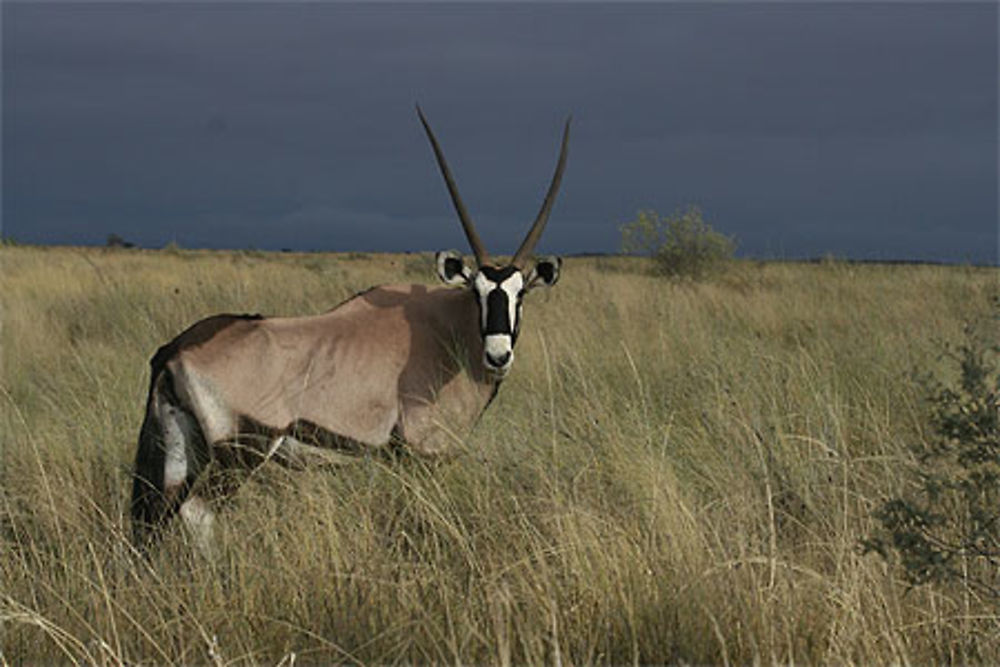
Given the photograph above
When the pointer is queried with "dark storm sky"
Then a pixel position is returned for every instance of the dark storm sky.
(866, 130)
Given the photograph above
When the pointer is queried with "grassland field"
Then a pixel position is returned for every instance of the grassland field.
(673, 472)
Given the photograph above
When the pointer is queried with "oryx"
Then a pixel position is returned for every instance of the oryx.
(394, 364)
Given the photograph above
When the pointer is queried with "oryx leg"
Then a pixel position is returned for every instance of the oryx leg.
(293, 453)
(199, 519)
(170, 457)
(298, 445)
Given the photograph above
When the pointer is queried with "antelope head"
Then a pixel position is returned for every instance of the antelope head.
(498, 287)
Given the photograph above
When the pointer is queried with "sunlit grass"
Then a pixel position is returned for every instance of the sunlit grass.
(672, 472)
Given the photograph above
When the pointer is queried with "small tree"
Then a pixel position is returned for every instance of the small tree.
(115, 241)
(948, 530)
(681, 245)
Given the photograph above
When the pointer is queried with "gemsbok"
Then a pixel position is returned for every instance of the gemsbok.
(396, 364)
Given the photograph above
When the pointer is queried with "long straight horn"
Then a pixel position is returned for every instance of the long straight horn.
(536, 229)
(478, 249)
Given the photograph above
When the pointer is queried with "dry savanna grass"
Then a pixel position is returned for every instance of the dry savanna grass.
(673, 472)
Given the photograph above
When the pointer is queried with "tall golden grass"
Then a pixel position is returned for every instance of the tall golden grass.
(673, 472)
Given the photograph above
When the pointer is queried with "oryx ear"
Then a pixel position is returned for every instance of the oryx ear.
(545, 272)
(451, 268)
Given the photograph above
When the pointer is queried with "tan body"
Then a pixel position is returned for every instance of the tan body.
(399, 360)
(395, 363)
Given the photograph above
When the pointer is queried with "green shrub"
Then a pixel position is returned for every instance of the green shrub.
(681, 245)
(948, 531)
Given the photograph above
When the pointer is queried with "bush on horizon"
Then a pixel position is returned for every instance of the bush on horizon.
(681, 245)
